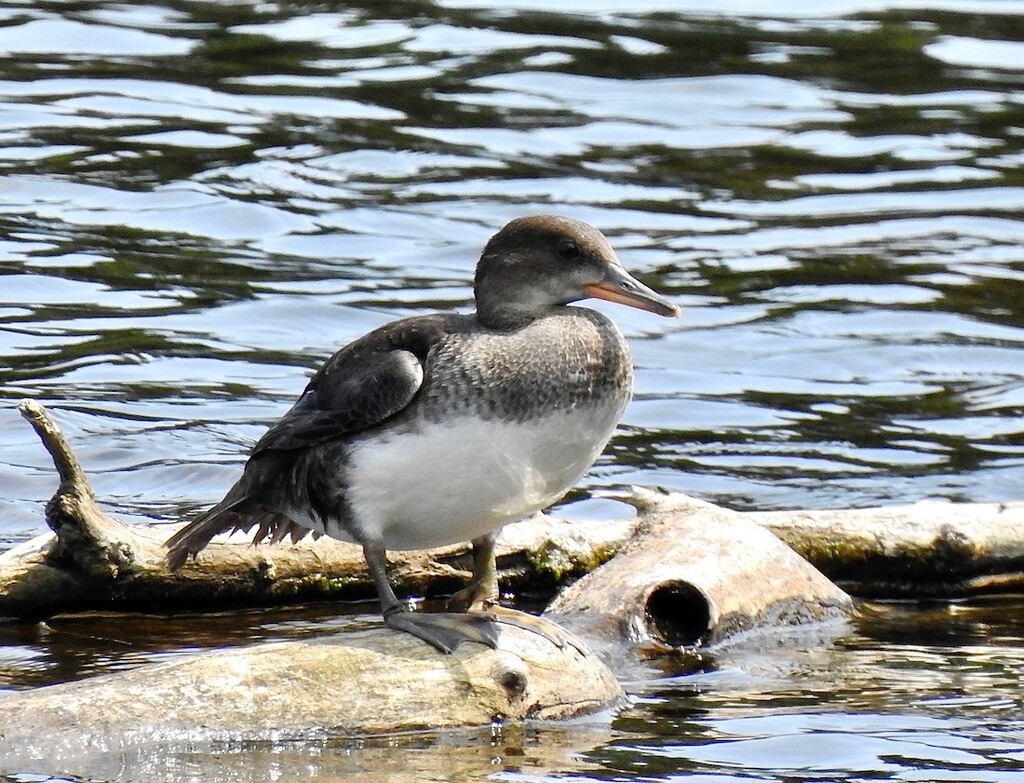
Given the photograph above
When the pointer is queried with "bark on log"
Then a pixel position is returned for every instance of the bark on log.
(345, 685)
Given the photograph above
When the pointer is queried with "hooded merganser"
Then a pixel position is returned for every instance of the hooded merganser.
(437, 429)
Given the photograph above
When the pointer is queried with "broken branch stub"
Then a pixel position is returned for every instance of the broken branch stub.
(87, 540)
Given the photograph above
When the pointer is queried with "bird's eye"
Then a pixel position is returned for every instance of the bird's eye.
(568, 249)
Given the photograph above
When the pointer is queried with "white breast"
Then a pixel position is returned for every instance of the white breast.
(457, 480)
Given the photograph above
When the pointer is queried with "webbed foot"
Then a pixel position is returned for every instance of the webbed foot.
(555, 634)
(481, 596)
(446, 630)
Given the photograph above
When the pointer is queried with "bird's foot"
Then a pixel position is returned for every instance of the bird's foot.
(555, 634)
(446, 630)
(481, 598)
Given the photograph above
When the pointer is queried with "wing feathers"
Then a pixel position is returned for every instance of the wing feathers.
(355, 397)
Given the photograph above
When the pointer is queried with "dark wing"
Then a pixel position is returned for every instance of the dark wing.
(362, 385)
(361, 394)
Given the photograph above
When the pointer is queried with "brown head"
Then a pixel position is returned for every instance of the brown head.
(543, 261)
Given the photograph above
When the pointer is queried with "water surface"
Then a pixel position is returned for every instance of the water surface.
(201, 201)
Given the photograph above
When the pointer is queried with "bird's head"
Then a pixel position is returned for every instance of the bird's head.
(543, 261)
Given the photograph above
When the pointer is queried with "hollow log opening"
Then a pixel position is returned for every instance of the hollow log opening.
(678, 614)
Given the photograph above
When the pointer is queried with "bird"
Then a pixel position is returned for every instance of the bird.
(439, 429)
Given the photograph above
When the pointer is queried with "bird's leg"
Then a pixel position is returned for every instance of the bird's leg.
(442, 630)
(482, 595)
(482, 592)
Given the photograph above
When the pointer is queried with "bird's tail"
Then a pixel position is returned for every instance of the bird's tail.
(235, 512)
(222, 518)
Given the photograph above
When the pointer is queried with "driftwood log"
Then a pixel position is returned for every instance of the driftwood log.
(931, 549)
(91, 561)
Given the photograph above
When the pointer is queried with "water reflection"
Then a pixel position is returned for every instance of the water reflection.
(73, 647)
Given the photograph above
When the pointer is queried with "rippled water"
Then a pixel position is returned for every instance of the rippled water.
(201, 200)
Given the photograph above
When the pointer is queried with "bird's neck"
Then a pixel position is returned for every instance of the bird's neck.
(508, 316)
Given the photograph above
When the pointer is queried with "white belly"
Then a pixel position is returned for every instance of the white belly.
(460, 480)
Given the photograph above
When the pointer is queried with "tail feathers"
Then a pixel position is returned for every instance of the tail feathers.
(275, 528)
(197, 534)
(231, 514)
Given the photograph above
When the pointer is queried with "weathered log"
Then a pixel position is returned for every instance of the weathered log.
(534, 556)
(930, 549)
(697, 579)
(343, 685)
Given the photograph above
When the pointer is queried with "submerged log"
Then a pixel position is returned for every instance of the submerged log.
(475, 754)
(344, 685)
